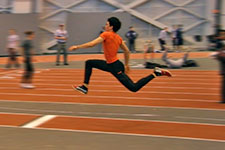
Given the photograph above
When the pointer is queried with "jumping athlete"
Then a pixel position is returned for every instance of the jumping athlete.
(111, 43)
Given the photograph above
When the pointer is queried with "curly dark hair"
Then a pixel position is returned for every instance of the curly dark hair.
(115, 22)
(28, 32)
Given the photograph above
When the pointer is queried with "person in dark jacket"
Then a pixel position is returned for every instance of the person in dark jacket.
(221, 58)
(131, 35)
(179, 38)
(27, 52)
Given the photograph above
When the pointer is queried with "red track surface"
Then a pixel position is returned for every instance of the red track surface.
(189, 89)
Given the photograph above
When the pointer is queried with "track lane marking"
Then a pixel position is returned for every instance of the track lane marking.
(39, 121)
(113, 105)
(162, 128)
(131, 127)
(114, 97)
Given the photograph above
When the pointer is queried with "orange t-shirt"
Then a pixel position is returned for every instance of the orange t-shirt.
(111, 44)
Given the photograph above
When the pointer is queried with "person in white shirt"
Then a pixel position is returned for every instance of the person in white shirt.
(174, 63)
(12, 48)
(61, 36)
(149, 47)
(162, 38)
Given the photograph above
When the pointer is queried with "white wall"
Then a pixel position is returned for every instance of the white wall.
(223, 15)
(22, 6)
(210, 16)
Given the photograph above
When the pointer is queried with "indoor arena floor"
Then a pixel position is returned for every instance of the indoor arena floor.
(178, 113)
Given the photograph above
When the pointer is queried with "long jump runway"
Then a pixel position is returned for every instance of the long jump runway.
(178, 113)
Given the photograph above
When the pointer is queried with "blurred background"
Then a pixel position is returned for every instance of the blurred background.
(199, 18)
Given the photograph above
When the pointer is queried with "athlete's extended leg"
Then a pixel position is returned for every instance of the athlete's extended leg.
(117, 69)
(118, 72)
(89, 65)
(94, 63)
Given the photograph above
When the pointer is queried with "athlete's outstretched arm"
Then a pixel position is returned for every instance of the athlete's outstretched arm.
(123, 46)
(88, 44)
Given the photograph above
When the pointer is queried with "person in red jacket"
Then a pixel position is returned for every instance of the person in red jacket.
(111, 44)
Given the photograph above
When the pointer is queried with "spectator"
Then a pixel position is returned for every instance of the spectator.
(12, 47)
(179, 38)
(162, 38)
(131, 35)
(221, 58)
(148, 48)
(27, 54)
(61, 36)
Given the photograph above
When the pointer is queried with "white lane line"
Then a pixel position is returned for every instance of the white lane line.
(137, 72)
(109, 97)
(81, 115)
(117, 114)
(130, 134)
(161, 92)
(214, 78)
(36, 110)
(143, 120)
(121, 91)
(198, 118)
(171, 82)
(6, 77)
(117, 133)
(14, 73)
(98, 85)
(39, 121)
(45, 118)
(6, 72)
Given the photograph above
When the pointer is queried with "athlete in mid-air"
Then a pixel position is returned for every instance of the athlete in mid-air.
(111, 44)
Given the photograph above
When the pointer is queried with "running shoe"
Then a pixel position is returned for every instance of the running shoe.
(27, 86)
(82, 89)
(162, 72)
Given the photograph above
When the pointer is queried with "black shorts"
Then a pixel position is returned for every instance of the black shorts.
(162, 42)
(28, 66)
(179, 41)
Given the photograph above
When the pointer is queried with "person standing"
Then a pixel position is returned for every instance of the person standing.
(12, 47)
(26, 50)
(220, 56)
(149, 48)
(111, 44)
(131, 35)
(162, 38)
(61, 36)
(179, 38)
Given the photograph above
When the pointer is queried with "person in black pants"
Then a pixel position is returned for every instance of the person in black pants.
(61, 36)
(162, 38)
(27, 53)
(179, 38)
(131, 35)
(111, 44)
(221, 58)
(12, 47)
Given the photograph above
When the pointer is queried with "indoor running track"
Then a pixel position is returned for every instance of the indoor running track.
(178, 113)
